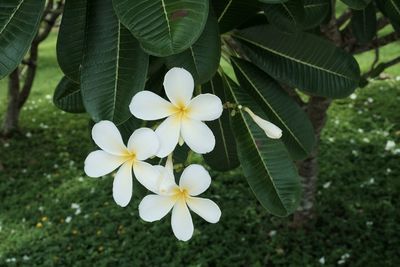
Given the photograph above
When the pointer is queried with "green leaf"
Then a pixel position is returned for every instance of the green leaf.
(315, 12)
(391, 9)
(71, 38)
(67, 96)
(163, 27)
(19, 22)
(224, 156)
(202, 58)
(232, 13)
(114, 65)
(286, 16)
(301, 60)
(281, 109)
(266, 163)
(363, 24)
(273, 1)
(357, 4)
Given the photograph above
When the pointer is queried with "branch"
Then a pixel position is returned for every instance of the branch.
(52, 13)
(375, 72)
(382, 23)
(30, 75)
(50, 17)
(387, 39)
(343, 18)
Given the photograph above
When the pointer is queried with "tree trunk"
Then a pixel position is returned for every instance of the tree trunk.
(11, 120)
(308, 169)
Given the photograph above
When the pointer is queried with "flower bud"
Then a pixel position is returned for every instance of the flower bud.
(167, 177)
(270, 129)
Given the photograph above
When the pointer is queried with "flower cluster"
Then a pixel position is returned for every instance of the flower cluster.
(184, 123)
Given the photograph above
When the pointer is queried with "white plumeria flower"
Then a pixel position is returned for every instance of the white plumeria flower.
(270, 129)
(184, 115)
(194, 181)
(142, 145)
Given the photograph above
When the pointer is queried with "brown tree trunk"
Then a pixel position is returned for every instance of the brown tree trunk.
(11, 119)
(30, 74)
(308, 169)
(18, 96)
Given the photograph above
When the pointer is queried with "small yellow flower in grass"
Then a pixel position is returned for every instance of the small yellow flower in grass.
(184, 115)
(39, 225)
(142, 145)
(270, 129)
(44, 219)
(180, 198)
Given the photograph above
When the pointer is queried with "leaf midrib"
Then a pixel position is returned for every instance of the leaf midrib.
(294, 59)
(11, 17)
(166, 18)
(395, 7)
(262, 97)
(221, 129)
(315, 5)
(116, 70)
(225, 10)
(255, 145)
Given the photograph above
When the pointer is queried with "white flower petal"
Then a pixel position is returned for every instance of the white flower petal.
(205, 208)
(99, 163)
(148, 175)
(270, 129)
(106, 135)
(195, 179)
(122, 186)
(168, 134)
(149, 106)
(167, 184)
(179, 86)
(205, 107)
(197, 136)
(144, 143)
(181, 221)
(154, 207)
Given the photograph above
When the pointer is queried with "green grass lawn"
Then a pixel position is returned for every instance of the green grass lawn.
(51, 214)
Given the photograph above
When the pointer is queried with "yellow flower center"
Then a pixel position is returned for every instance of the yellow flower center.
(130, 156)
(181, 110)
(181, 193)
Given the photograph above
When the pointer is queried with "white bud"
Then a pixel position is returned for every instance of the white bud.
(167, 177)
(270, 129)
(181, 141)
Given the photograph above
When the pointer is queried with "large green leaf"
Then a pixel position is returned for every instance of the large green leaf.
(281, 109)
(357, 4)
(266, 163)
(67, 96)
(114, 65)
(202, 58)
(163, 27)
(273, 1)
(391, 8)
(363, 24)
(302, 60)
(224, 156)
(315, 12)
(19, 21)
(71, 38)
(286, 16)
(232, 13)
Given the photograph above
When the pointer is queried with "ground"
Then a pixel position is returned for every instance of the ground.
(51, 214)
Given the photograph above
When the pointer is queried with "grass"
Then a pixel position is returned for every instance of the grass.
(51, 214)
